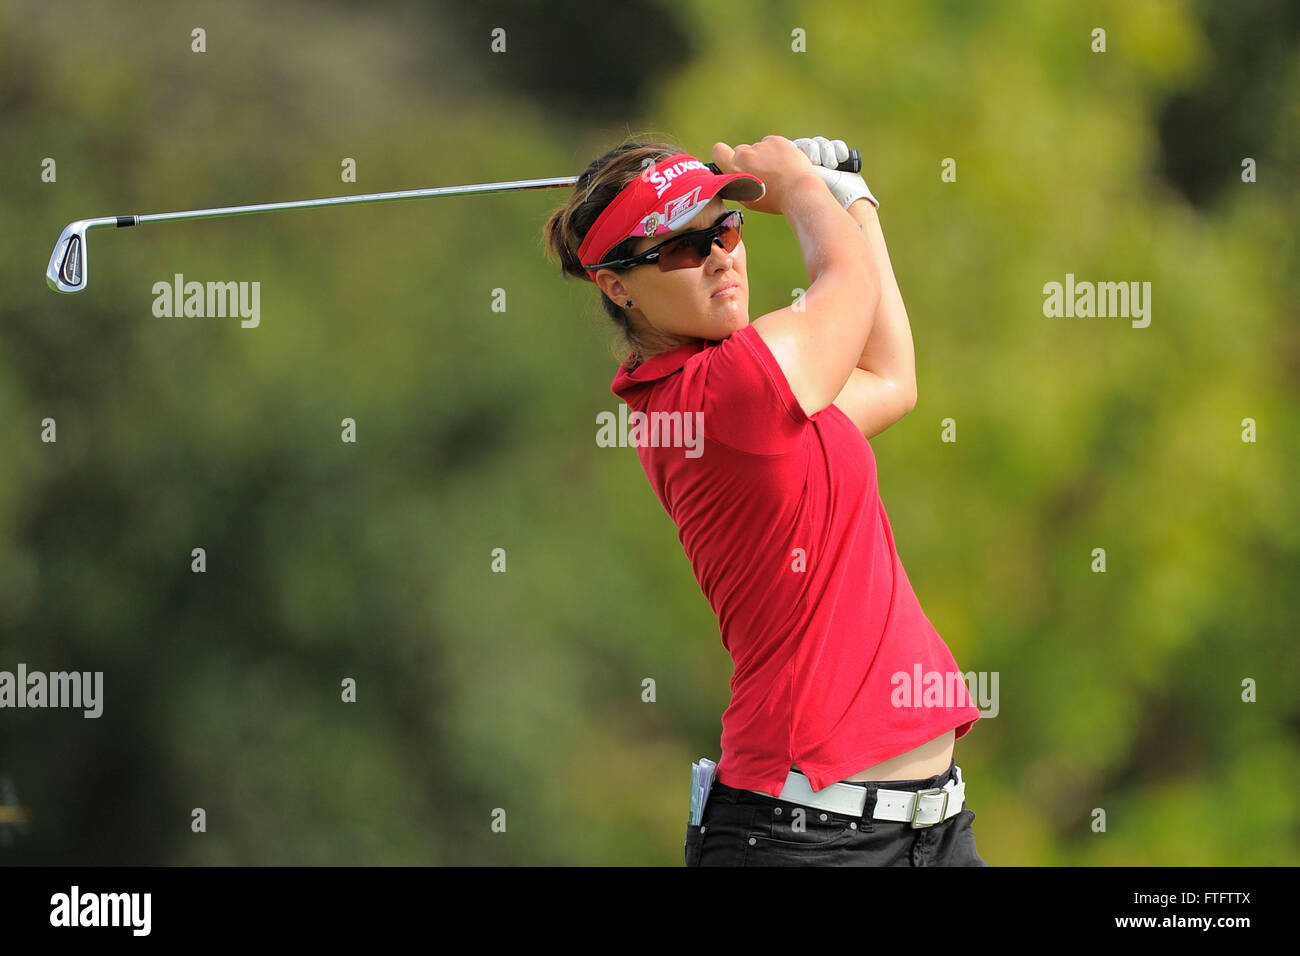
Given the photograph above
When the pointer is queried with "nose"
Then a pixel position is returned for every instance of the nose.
(719, 256)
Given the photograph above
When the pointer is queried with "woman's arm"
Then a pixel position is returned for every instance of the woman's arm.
(872, 402)
(816, 339)
(882, 389)
(888, 352)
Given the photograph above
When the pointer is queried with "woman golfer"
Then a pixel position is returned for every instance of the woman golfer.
(837, 745)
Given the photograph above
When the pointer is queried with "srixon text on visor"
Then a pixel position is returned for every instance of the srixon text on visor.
(661, 179)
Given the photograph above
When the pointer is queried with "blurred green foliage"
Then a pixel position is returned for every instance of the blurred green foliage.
(476, 428)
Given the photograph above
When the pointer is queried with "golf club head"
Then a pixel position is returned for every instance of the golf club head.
(67, 269)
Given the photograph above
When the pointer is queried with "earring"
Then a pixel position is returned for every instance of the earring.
(627, 304)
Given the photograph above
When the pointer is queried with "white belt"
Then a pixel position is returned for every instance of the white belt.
(921, 808)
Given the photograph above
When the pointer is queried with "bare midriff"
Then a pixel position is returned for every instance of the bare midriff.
(928, 760)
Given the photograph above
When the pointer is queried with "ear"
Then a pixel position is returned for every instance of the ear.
(611, 283)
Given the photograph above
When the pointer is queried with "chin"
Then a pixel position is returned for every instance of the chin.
(732, 325)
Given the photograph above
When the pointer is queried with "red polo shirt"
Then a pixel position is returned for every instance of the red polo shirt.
(836, 667)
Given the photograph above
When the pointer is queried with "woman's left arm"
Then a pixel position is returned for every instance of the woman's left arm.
(888, 352)
(882, 389)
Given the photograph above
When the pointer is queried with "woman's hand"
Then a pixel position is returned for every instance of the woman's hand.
(825, 154)
(775, 160)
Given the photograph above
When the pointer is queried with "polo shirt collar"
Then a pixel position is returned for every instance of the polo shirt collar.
(661, 365)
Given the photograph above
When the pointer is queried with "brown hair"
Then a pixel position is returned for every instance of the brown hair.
(595, 189)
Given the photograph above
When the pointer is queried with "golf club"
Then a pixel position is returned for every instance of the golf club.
(68, 270)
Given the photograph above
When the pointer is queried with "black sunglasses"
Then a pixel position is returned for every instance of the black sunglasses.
(685, 251)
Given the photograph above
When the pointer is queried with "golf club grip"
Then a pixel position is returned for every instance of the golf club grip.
(851, 165)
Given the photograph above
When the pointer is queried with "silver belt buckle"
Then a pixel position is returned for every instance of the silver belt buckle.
(916, 807)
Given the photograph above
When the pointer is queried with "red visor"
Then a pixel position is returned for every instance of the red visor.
(663, 199)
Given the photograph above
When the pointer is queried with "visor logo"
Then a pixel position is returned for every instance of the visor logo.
(680, 207)
(662, 179)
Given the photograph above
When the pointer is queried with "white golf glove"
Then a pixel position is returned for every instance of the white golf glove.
(826, 154)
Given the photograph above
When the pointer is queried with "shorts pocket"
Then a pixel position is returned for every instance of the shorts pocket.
(965, 853)
(801, 827)
(953, 842)
(694, 844)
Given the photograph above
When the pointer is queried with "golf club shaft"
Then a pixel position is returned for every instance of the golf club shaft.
(67, 269)
(348, 200)
(852, 164)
